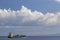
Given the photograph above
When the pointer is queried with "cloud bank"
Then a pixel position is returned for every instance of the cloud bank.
(28, 22)
(26, 17)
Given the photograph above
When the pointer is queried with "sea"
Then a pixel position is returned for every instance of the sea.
(33, 38)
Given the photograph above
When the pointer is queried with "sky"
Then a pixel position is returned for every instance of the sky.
(30, 17)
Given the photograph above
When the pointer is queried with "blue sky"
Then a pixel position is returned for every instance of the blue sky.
(40, 5)
(30, 17)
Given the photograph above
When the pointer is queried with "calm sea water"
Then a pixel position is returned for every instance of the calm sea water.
(33, 38)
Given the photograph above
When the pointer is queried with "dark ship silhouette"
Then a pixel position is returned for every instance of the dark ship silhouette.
(11, 35)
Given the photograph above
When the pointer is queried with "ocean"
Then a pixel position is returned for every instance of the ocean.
(33, 38)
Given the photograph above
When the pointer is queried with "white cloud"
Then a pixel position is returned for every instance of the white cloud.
(29, 22)
(57, 0)
(25, 16)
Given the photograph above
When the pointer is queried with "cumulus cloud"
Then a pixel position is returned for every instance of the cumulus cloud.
(26, 17)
